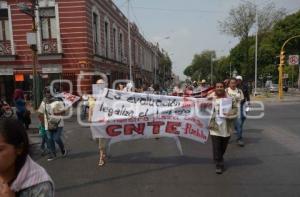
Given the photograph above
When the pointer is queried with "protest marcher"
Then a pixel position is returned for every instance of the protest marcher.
(226, 83)
(156, 89)
(176, 90)
(43, 134)
(237, 94)
(188, 91)
(203, 85)
(220, 127)
(102, 142)
(19, 174)
(20, 104)
(52, 109)
(91, 103)
(246, 91)
(85, 105)
(120, 87)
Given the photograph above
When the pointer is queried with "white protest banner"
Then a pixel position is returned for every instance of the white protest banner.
(97, 89)
(225, 106)
(126, 116)
(68, 99)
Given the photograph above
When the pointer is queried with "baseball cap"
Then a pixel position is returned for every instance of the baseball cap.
(239, 78)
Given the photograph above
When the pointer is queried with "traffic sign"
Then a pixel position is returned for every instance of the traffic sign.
(285, 76)
(293, 59)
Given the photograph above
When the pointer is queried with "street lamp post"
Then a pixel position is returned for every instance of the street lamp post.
(211, 69)
(129, 41)
(31, 12)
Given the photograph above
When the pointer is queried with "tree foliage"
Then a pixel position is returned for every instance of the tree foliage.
(242, 57)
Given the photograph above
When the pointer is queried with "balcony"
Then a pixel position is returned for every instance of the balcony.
(49, 50)
(49, 46)
(6, 52)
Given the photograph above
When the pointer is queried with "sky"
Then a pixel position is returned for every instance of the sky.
(187, 27)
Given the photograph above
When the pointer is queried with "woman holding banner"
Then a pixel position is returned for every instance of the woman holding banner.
(221, 124)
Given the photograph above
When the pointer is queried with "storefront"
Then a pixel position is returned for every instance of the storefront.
(7, 84)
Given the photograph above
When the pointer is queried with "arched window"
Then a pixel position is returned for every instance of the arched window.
(96, 30)
(115, 42)
(121, 46)
(107, 37)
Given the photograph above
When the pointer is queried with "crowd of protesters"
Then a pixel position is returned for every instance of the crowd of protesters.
(21, 176)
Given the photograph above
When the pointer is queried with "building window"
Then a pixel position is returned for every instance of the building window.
(115, 43)
(96, 32)
(48, 23)
(4, 25)
(107, 38)
(121, 46)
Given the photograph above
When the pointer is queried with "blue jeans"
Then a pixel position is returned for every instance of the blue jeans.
(55, 136)
(239, 123)
(83, 111)
(45, 144)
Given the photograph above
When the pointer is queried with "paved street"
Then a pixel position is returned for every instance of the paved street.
(267, 166)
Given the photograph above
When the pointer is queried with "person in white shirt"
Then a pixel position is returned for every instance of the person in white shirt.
(238, 96)
(51, 109)
(220, 128)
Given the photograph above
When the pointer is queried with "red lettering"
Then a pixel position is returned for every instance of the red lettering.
(112, 130)
(156, 126)
(129, 128)
(172, 127)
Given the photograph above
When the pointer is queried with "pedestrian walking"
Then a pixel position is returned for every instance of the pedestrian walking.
(19, 174)
(238, 95)
(52, 109)
(220, 127)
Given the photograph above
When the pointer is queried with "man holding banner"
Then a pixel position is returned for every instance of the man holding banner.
(221, 124)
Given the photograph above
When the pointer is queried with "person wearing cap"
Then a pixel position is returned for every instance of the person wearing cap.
(237, 95)
(202, 87)
(240, 121)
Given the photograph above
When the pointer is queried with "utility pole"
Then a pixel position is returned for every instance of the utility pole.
(129, 41)
(211, 69)
(230, 70)
(31, 40)
(34, 58)
(256, 48)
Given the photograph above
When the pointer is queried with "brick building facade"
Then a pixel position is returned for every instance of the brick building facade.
(73, 37)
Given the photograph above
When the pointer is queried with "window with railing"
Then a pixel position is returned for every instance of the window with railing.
(5, 45)
(48, 30)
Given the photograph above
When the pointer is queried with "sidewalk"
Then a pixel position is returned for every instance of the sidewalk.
(292, 96)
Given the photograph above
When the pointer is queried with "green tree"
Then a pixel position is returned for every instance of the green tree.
(201, 65)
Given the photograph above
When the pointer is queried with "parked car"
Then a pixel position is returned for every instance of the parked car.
(273, 87)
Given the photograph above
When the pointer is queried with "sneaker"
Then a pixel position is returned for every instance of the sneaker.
(219, 170)
(65, 153)
(51, 158)
(241, 143)
(44, 153)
